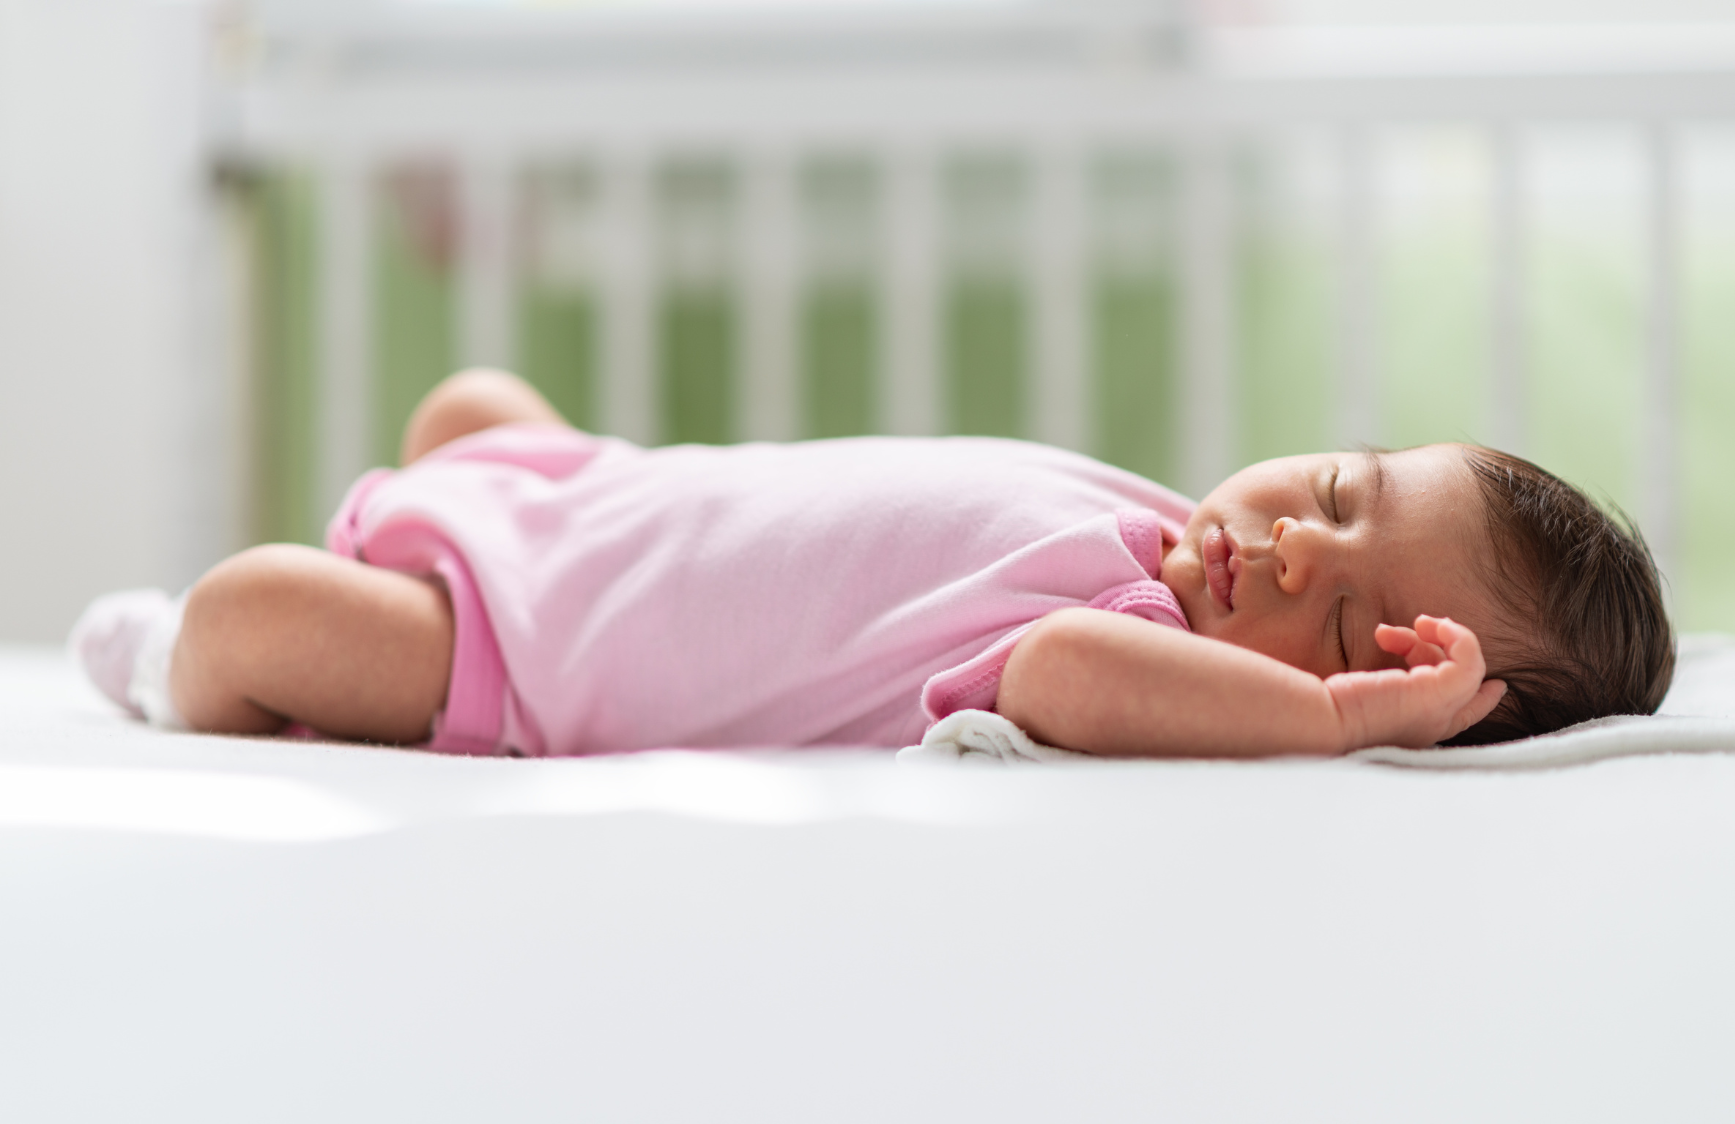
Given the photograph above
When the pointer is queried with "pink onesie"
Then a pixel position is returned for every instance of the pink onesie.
(851, 592)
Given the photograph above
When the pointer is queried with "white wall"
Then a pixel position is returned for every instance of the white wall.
(107, 461)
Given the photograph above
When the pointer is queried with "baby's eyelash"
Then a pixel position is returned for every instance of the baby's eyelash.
(1332, 492)
(1341, 649)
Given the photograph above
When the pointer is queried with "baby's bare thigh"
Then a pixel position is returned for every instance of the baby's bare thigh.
(289, 633)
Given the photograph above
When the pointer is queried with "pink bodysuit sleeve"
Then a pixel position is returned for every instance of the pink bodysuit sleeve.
(975, 684)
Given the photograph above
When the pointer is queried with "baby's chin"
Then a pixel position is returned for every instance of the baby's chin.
(1184, 573)
(1206, 624)
(1195, 603)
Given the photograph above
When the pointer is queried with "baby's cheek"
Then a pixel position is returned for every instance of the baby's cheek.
(1292, 643)
(1244, 632)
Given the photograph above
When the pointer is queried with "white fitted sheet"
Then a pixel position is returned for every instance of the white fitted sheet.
(197, 928)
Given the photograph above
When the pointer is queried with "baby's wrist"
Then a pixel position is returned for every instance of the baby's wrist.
(1343, 729)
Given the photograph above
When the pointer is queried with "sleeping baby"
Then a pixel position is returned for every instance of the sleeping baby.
(522, 587)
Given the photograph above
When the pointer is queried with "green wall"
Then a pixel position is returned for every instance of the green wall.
(414, 325)
(1283, 349)
(696, 343)
(839, 355)
(985, 357)
(281, 229)
(1704, 587)
(558, 349)
(1133, 324)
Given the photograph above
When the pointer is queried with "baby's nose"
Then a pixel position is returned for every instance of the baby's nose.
(1291, 554)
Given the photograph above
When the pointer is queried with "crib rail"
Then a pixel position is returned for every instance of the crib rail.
(1051, 84)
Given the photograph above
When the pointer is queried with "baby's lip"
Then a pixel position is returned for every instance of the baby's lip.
(1219, 555)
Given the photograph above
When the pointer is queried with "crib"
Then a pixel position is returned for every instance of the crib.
(1005, 218)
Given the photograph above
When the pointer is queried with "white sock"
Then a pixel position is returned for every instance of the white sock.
(124, 641)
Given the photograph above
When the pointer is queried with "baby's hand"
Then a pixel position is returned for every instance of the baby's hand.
(1441, 694)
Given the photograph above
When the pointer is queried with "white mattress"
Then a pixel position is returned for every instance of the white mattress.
(207, 929)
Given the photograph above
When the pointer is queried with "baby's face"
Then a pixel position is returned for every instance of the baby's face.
(1299, 558)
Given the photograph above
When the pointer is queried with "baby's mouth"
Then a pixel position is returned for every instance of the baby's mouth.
(1220, 566)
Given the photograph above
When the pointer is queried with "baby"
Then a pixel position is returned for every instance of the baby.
(523, 587)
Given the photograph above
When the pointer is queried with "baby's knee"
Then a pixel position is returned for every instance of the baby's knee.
(236, 593)
(231, 627)
(469, 393)
(468, 401)
(477, 384)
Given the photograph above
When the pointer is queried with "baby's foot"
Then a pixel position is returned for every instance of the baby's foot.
(110, 635)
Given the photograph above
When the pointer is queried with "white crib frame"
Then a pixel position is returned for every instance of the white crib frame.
(492, 90)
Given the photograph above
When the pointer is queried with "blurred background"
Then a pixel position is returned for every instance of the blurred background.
(239, 240)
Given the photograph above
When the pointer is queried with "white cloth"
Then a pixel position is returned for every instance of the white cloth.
(983, 736)
(1624, 735)
(1697, 718)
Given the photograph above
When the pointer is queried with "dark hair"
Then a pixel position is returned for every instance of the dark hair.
(1594, 637)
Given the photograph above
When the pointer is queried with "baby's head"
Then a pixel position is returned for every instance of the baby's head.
(1300, 557)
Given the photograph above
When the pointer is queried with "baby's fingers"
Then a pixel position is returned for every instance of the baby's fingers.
(1461, 645)
(1426, 655)
(1400, 641)
(1395, 638)
(1428, 629)
(1456, 642)
(1480, 706)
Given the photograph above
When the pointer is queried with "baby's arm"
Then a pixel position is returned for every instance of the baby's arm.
(1110, 684)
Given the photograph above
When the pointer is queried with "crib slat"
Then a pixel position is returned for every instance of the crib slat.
(767, 406)
(346, 239)
(485, 277)
(1207, 432)
(1357, 392)
(908, 382)
(1507, 418)
(627, 390)
(1659, 450)
(1060, 286)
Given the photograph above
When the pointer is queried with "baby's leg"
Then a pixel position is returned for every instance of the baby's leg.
(282, 633)
(469, 401)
